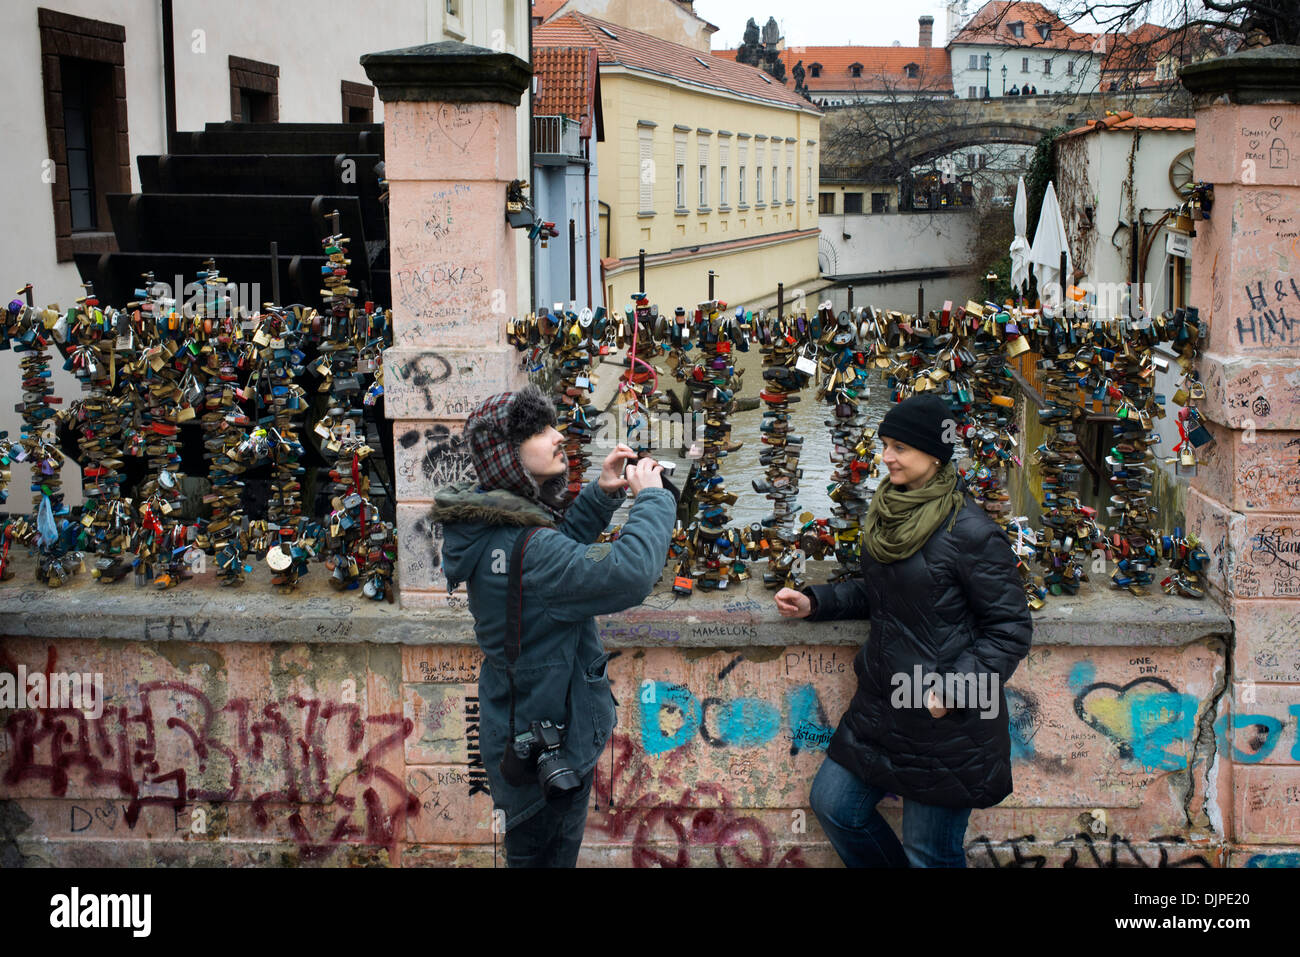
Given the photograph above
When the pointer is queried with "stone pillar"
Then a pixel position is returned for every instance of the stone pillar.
(1244, 502)
(450, 151)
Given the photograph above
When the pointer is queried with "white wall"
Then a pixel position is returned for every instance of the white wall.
(890, 242)
(27, 247)
(1108, 159)
(315, 45)
(1098, 163)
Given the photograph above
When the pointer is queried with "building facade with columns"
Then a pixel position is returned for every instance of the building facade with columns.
(706, 165)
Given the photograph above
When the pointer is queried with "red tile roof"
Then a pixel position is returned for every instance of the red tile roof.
(546, 8)
(543, 10)
(882, 68)
(991, 25)
(623, 46)
(1131, 58)
(566, 78)
(1125, 120)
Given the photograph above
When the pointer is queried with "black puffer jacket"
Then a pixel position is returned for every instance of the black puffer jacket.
(955, 606)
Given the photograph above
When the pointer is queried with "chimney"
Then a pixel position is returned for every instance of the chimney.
(927, 31)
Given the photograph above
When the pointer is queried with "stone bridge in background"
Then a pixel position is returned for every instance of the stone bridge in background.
(1001, 119)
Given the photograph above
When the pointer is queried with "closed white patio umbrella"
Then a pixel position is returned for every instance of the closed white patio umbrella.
(1045, 254)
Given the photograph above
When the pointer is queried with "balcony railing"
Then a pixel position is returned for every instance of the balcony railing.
(556, 135)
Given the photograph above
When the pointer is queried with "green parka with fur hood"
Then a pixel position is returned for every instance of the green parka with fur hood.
(561, 674)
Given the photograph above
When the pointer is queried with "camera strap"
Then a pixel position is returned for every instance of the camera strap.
(514, 614)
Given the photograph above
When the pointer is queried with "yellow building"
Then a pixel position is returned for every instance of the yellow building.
(706, 165)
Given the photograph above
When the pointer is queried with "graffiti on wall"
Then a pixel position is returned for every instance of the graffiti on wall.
(1251, 738)
(174, 747)
(1147, 720)
(672, 717)
(429, 457)
(1086, 851)
(663, 818)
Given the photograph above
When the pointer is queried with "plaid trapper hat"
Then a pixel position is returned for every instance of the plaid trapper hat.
(494, 432)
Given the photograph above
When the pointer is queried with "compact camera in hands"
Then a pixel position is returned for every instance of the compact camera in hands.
(668, 469)
(537, 752)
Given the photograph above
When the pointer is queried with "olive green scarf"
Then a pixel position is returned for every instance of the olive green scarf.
(899, 521)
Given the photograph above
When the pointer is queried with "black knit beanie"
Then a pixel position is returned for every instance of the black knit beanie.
(924, 421)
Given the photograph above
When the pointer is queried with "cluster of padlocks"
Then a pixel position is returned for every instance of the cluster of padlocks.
(1092, 371)
(153, 366)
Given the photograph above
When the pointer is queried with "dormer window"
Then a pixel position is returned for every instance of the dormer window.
(855, 69)
(1044, 30)
(815, 69)
(1017, 29)
(911, 70)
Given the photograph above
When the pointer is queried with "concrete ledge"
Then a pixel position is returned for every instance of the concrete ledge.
(744, 615)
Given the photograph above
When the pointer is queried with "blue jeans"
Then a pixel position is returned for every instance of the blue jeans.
(552, 836)
(846, 807)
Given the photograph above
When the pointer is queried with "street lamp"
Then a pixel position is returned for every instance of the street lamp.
(1004, 79)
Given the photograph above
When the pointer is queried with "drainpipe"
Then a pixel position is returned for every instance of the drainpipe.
(169, 73)
(586, 212)
(573, 263)
(609, 219)
(532, 178)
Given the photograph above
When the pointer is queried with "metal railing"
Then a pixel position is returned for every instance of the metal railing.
(556, 134)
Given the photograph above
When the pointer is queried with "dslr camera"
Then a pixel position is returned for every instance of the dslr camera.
(537, 752)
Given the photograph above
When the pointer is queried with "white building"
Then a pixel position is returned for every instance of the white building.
(293, 61)
(105, 70)
(1009, 45)
(1118, 223)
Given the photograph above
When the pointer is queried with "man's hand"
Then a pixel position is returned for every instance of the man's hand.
(793, 604)
(644, 474)
(611, 470)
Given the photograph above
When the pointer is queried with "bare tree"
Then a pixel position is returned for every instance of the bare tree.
(896, 121)
(1141, 45)
(1234, 23)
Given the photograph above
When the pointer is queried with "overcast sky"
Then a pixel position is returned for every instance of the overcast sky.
(844, 22)
(825, 22)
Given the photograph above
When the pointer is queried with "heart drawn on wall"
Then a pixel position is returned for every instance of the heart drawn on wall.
(107, 814)
(459, 122)
(1145, 718)
(1254, 144)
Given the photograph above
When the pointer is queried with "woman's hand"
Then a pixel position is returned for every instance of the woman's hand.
(793, 604)
(611, 470)
(644, 474)
(933, 706)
